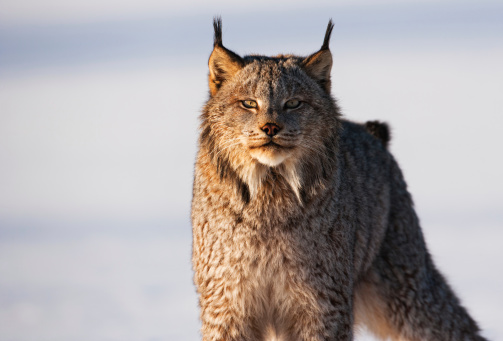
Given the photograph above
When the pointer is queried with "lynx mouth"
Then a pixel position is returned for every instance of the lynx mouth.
(272, 145)
(270, 153)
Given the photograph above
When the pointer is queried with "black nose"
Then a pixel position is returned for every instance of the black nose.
(270, 129)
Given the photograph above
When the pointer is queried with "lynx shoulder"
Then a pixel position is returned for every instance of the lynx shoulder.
(302, 223)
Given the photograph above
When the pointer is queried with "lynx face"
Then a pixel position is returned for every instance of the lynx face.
(269, 112)
(269, 115)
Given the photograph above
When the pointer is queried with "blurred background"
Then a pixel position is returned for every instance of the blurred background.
(99, 102)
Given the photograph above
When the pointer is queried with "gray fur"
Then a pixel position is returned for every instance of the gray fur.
(306, 237)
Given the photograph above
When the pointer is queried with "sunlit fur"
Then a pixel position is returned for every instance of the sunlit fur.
(300, 234)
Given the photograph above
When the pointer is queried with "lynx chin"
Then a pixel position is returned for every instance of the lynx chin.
(303, 228)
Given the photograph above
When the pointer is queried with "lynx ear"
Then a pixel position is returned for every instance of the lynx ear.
(319, 64)
(223, 63)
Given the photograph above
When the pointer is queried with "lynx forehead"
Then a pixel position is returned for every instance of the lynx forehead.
(302, 224)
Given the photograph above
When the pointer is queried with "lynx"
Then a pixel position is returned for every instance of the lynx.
(302, 223)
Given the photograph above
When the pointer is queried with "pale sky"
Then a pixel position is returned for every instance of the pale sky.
(60, 11)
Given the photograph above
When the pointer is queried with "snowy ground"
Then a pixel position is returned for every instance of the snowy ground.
(98, 128)
(116, 287)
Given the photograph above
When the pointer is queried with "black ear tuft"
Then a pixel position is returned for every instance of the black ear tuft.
(223, 63)
(380, 130)
(217, 25)
(319, 64)
(326, 41)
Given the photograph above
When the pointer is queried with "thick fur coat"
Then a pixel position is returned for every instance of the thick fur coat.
(302, 223)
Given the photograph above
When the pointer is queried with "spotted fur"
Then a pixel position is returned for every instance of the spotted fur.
(299, 235)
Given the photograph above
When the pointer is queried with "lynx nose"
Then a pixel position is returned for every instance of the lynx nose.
(271, 129)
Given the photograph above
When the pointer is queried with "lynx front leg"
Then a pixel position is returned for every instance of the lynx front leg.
(220, 324)
(304, 312)
(334, 324)
(222, 310)
(326, 313)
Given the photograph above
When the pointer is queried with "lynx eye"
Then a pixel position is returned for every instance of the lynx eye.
(292, 104)
(250, 104)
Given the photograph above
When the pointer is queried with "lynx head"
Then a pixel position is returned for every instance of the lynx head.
(271, 119)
